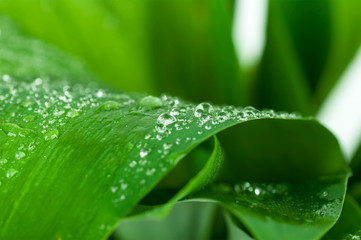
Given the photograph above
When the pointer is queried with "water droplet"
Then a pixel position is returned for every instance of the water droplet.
(203, 108)
(166, 119)
(27, 103)
(122, 197)
(109, 105)
(208, 127)
(151, 171)
(163, 121)
(222, 116)
(203, 111)
(144, 152)
(6, 77)
(20, 155)
(14, 130)
(72, 114)
(11, 172)
(100, 93)
(160, 128)
(257, 191)
(51, 134)
(114, 189)
(167, 146)
(150, 102)
(58, 112)
(132, 164)
(124, 186)
(29, 118)
(3, 161)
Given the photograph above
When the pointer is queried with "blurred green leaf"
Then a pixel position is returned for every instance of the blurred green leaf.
(309, 26)
(110, 37)
(345, 40)
(188, 220)
(348, 223)
(309, 45)
(281, 81)
(183, 48)
(23, 57)
(192, 50)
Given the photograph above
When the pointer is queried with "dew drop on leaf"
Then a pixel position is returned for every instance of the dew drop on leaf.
(20, 155)
(150, 172)
(72, 114)
(11, 172)
(51, 134)
(222, 116)
(203, 108)
(58, 112)
(109, 105)
(150, 102)
(3, 161)
(144, 152)
(124, 186)
(132, 164)
(166, 119)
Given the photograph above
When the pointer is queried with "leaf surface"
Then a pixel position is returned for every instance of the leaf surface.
(349, 222)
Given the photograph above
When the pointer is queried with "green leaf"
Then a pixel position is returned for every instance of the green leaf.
(310, 29)
(345, 40)
(188, 220)
(25, 57)
(281, 81)
(309, 45)
(47, 129)
(139, 46)
(348, 223)
(288, 197)
(76, 158)
(192, 45)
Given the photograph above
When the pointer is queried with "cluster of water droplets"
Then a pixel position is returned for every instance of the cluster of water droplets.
(356, 236)
(36, 110)
(286, 200)
(177, 125)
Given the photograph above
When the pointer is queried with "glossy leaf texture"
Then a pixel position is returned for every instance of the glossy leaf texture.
(292, 197)
(148, 42)
(348, 225)
(309, 45)
(76, 157)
